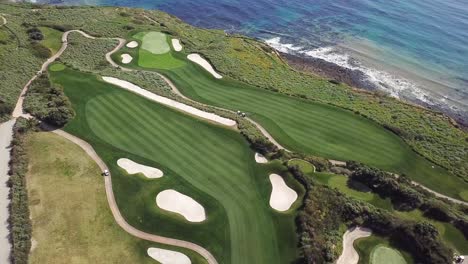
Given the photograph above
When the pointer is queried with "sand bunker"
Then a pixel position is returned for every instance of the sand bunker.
(169, 102)
(282, 197)
(204, 63)
(132, 44)
(126, 58)
(165, 256)
(176, 202)
(132, 168)
(176, 45)
(259, 158)
(349, 254)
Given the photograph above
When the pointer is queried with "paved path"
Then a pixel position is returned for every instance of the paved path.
(6, 135)
(350, 255)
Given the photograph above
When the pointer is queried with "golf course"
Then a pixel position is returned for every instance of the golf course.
(297, 124)
(213, 165)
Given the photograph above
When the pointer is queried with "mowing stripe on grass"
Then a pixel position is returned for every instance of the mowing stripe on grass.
(207, 162)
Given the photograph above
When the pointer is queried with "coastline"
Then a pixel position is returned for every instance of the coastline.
(357, 79)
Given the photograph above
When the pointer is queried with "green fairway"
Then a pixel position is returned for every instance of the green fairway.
(314, 128)
(378, 250)
(209, 163)
(383, 254)
(52, 39)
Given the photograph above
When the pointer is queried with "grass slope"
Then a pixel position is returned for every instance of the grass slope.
(209, 163)
(52, 39)
(71, 219)
(315, 128)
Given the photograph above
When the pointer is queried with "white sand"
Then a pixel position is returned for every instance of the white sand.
(204, 63)
(176, 45)
(165, 256)
(282, 197)
(6, 133)
(259, 158)
(169, 102)
(132, 168)
(349, 254)
(132, 44)
(126, 58)
(177, 202)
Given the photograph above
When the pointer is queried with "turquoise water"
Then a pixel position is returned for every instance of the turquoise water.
(409, 48)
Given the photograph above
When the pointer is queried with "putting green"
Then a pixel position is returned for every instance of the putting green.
(315, 128)
(155, 51)
(209, 163)
(154, 42)
(382, 254)
(57, 67)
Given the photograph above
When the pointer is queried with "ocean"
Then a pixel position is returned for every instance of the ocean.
(411, 49)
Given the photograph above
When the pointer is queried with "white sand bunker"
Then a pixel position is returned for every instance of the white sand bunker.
(165, 256)
(132, 44)
(204, 63)
(176, 202)
(259, 158)
(132, 168)
(282, 197)
(176, 45)
(349, 254)
(126, 58)
(169, 102)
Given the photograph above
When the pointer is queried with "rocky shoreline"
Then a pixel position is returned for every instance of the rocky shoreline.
(357, 79)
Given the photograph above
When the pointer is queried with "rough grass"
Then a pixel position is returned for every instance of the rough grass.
(365, 248)
(304, 166)
(316, 128)
(211, 164)
(71, 218)
(450, 234)
(340, 182)
(52, 39)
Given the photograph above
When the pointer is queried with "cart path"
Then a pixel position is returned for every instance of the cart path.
(349, 254)
(115, 210)
(18, 112)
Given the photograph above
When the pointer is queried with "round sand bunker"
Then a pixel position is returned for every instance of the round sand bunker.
(165, 256)
(132, 44)
(282, 196)
(259, 158)
(126, 58)
(182, 204)
(132, 168)
(176, 45)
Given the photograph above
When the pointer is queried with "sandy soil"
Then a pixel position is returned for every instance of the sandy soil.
(282, 196)
(6, 133)
(177, 202)
(204, 63)
(169, 102)
(132, 44)
(132, 168)
(168, 256)
(126, 58)
(176, 44)
(350, 255)
(259, 158)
